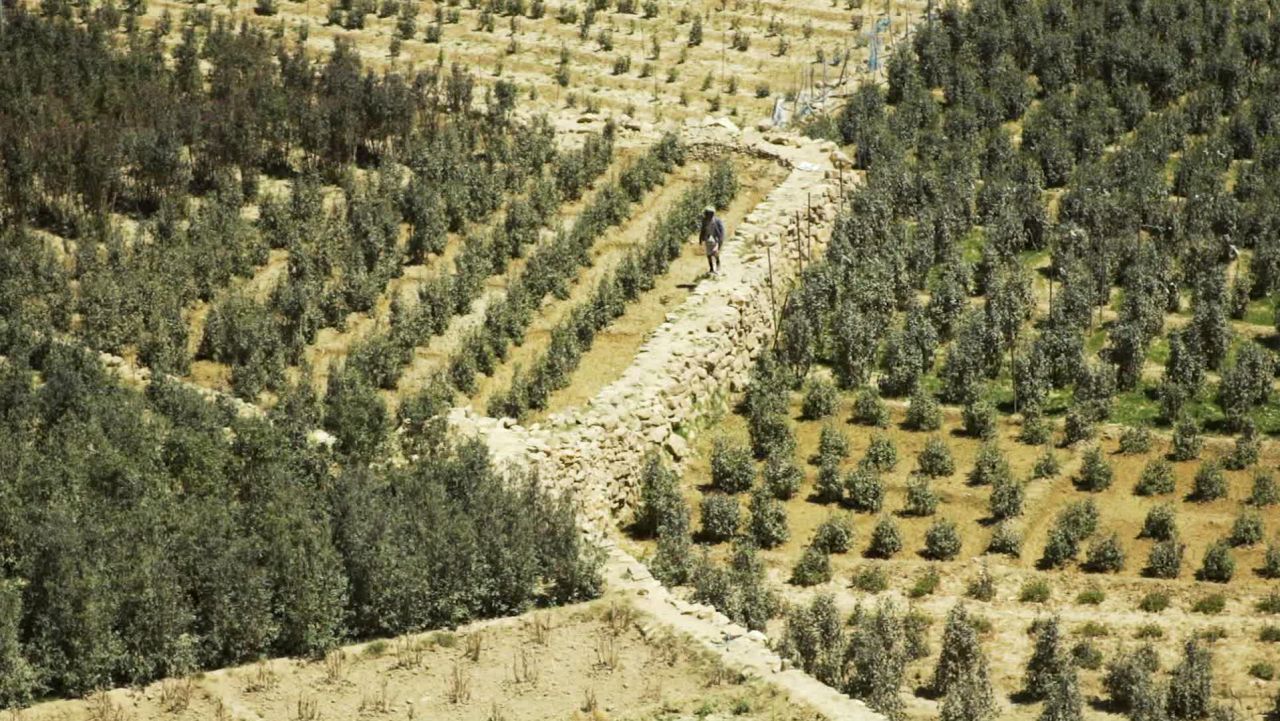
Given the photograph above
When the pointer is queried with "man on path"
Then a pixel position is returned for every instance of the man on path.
(712, 237)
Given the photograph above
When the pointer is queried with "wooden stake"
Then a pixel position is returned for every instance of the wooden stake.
(773, 300)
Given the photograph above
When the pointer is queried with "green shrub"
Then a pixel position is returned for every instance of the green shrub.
(834, 535)
(833, 444)
(1271, 561)
(768, 521)
(732, 469)
(1129, 676)
(1161, 523)
(1269, 603)
(980, 420)
(829, 486)
(1085, 655)
(820, 399)
(886, 539)
(1154, 602)
(989, 465)
(1263, 670)
(1005, 540)
(1210, 483)
(721, 515)
(813, 568)
(869, 409)
(660, 497)
(1269, 634)
(1095, 472)
(1077, 427)
(781, 477)
(1186, 440)
(1265, 491)
(1149, 631)
(925, 584)
(871, 579)
(1156, 478)
(1036, 429)
(1211, 604)
(1006, 498)
(1165, 559)
(935, 459)
(863, 490)
(1047, 465)
(921, 498)
(923, 412)
(1105, 555)
(1245, 451)
(1072, 525)
(1036, 590)
(1247, 529)
(1135, 440)
(1217, 566)
(1092, 595)
(672, 561)
(983, 587)
(882, 454)
(942, 540)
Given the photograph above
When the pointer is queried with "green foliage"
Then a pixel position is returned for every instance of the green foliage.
(863, 489)
(732, 469)
(1006, 498)
(1217, 565)
(925, 584)
(1247, 529)
(1156, 478)
(869, 409)
(833, 445)
(720, 515)
(1271, 561)
(1186, 440)
(935, 458)
(813, 568)
(989, 466)
(1047, 465)
(17, 677)
(673, 562)
(1135, 440)
(871, 579)
(882, 453)
(942, 540)
(983, 587)
(886, 539)
(1095, 473)
(781, 477)
(738, 590)
(1129, 675)
(821, 399)
(1191, 684)
(1006, 540)
(834, 535)
(660, 498)
(1092, 595)
(1211, 604)
(923, 413)
(1165, 559)
(815, 639)
(1036, 590)
(921, 498)
(768, 521)
(1210, 483)
(980, 420)
(1265, 492)
(829, 486)
(1105, 555)
(1048, 659)
(1072, 525)
(961, 674)
(1154, 602)
(1161, 523)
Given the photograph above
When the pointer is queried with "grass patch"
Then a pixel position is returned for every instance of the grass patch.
(1269, 634)
(1154, 602)
(1211, 604)
(1269, 604)
(1091, 596)
(926, 584)
(870, 579)
(1262, 670)
(1213, 633)
(1149, 630)
(1259, 312)
(1036, 590)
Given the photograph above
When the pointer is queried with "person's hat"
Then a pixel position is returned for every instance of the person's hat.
(709, 209)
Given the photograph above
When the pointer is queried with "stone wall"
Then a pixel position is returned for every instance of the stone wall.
(699, 356)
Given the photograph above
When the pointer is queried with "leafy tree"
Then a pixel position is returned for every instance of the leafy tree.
(732, 469)
(1047, 661)
(869, 410)
(17, 677)
(1095, 473)
(961, 672)
(863, 489)
(1161, 523)
(1165, 559)
(881, 454)
(1156, 478)
(878, 654)
(820, 399)
(1264, 491)
(921, 498)
(768, 520)
(1105, 555)
(942, 540)
(660, 498)
(923, 413)
(1007, 495)
(1186, 440)
(1246, 384)
(1218, 565)
(834, 535)
(1210, 483)
(781, 477)
(672, 561)
(1191, 683)
(935, 459)
(1129, 674)
(720, 517)
(813, 568)
(886, 539)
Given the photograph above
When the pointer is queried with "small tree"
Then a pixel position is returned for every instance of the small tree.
(768, 521)
(935, 459)
(1095, 472)
(1210, 483)
(942, 540)
(1271, 561)
(1048, 659)
(989, 466)
(863, 489)
(1247, 529)
(813, 568)
(882, 454)
(781, 477)
(833, 444)
(1156, 478)
(980, 419)
(672, 561)
(1264, 492)
(1161, 523)
(1005, 540)
(834, 535)
(869, 409)
(1006, 498)
(820, 399)
(721, 515)
(695, 31)
(1218, 565)
(961, 672)
(660, 497)
(1106, 555)
(886, 539)
(829, 486)
(17, 677)
(1129, 674)
(1186, 440)
(1165, 559)
(921, 498)
(732, 469)
(1047, 464)
(1191, 684)
(923, 413)
(1135, 440)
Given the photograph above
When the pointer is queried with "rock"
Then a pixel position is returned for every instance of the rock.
(677, 446)
(319, 437)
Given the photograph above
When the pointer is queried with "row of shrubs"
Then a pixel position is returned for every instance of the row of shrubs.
(633, 275)
(551, 268)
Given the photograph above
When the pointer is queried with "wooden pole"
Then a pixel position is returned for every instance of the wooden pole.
(773, 300)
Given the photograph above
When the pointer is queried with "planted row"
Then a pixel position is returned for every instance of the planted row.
(634, 275)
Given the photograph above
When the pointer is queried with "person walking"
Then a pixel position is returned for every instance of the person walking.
(712, 237)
